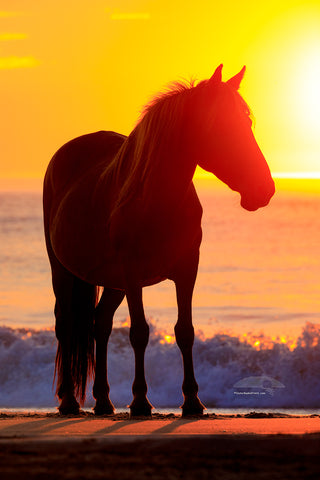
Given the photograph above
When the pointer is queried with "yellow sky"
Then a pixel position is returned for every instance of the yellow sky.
(72, 67)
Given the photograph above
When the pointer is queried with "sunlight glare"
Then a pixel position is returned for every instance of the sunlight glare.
(169, 339)
(308, 91)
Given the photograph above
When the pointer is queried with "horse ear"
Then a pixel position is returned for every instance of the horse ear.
(216, 77)
(236, 80)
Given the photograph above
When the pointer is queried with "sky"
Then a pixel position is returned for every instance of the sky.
(72, 67)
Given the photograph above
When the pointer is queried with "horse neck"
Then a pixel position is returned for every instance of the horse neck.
(170, 172)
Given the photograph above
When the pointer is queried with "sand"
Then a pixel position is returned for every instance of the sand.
(255, 446)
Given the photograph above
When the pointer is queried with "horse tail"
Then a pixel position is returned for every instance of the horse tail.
(80, 338)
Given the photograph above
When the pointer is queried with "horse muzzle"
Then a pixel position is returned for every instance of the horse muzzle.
(259, 197)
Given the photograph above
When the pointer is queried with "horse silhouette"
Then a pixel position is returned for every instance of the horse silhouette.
(122, 213)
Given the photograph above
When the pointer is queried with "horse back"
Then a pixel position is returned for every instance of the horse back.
(91, 152)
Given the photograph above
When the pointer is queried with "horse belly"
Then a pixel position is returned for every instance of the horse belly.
(150, 247)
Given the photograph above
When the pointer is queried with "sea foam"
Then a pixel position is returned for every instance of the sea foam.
(230, 371)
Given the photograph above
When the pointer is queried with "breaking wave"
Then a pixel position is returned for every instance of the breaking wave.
(231, 372)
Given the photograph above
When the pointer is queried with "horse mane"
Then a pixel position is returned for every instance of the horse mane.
(158, 124)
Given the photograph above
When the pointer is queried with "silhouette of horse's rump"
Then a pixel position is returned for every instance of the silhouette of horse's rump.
(122, 213)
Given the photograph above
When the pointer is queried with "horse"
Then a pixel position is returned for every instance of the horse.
(121, 213)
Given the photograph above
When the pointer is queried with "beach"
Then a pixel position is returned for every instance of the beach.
(259, 446)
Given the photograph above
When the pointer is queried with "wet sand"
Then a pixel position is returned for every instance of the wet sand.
(256, 446)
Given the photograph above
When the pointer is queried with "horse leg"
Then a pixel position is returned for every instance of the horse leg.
(74, 311)
(63, 285)
(139, 336)
(65, 385)
(105, 310)
(184, 279)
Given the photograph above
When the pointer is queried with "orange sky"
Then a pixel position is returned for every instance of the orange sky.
(72, 67)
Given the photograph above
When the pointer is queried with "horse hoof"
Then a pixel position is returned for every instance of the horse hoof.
(66, 411)
(105, 408)
(140, 412)
(140, 408)
(192, 407)
(69, 411)
(69, 407)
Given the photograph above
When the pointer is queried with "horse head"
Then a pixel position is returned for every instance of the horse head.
(228, 147)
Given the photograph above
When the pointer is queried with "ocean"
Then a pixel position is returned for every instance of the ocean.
(256, 310)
